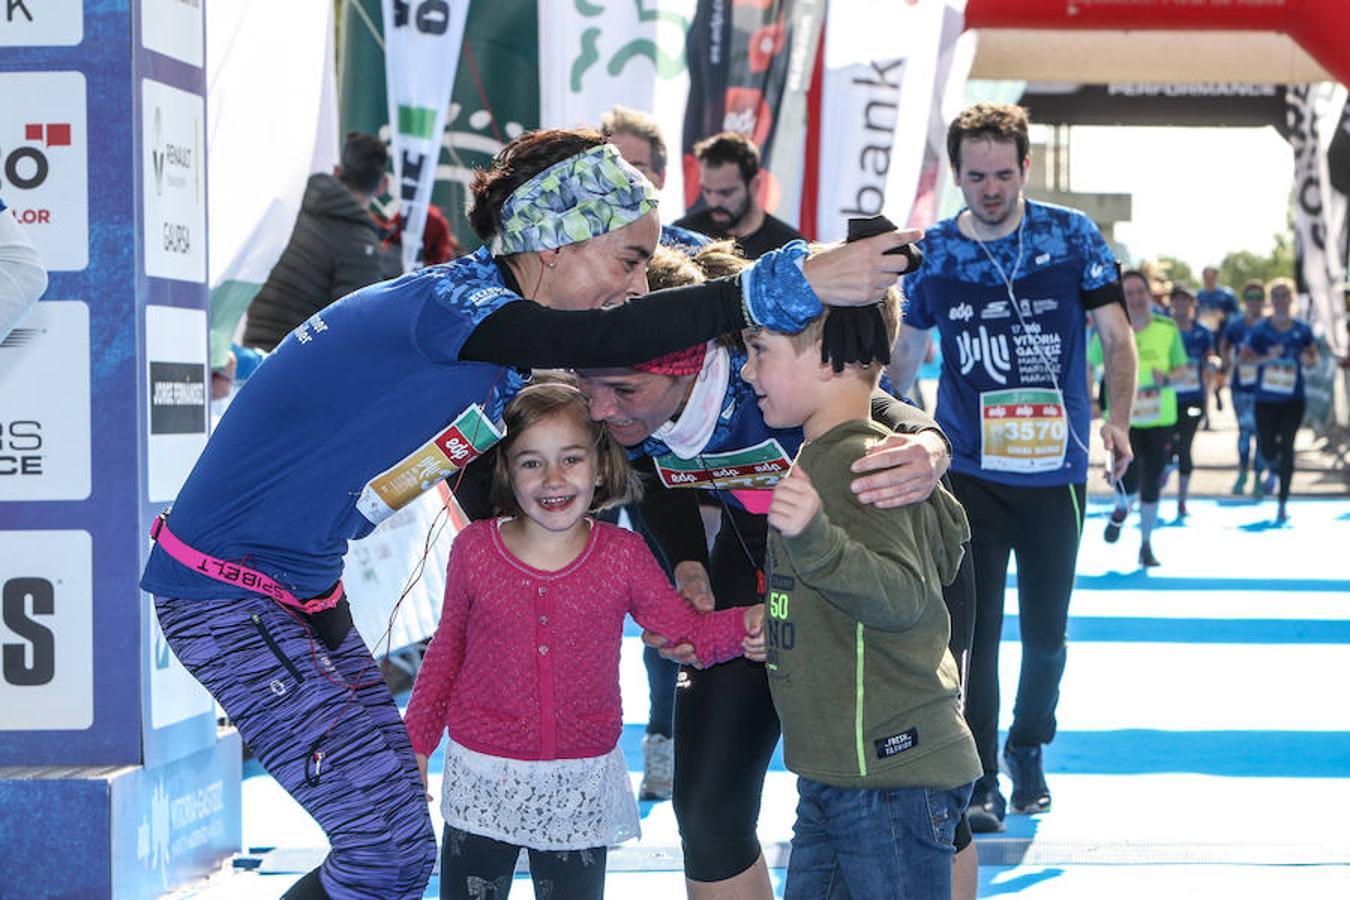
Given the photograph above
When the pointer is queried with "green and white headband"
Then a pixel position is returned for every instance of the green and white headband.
(589, 194)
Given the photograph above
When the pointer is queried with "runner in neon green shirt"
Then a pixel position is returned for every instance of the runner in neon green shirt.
(1162, 357)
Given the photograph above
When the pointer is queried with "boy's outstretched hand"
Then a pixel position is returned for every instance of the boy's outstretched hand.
(754, 644)
(795, 503)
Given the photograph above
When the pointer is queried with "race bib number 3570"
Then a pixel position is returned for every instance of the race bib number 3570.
(1023, 430)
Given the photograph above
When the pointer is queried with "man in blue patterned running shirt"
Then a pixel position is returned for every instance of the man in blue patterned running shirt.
(1010, 285)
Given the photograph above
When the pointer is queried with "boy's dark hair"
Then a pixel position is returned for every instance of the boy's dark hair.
(729, 147)
(517, 163)
(538, 402)
(622, 120)
(1004, 122)
(364, 161)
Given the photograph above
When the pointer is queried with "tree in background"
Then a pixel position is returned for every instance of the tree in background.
(1178, 271)
(1241, 266)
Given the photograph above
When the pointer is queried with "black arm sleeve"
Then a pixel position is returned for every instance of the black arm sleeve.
(902, 418)
(472, 486)
(671, 518)
(531, 335)
(1109, 293)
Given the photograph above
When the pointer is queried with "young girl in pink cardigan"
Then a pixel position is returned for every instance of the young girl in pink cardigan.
(524, 667)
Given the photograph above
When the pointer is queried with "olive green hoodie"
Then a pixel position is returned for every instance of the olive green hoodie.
(857, 632)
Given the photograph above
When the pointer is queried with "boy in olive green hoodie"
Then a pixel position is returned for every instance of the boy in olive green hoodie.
(866, 689)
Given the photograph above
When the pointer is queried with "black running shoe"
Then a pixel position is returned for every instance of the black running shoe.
(1113, 527)
(987, 806)
(1030, 794)
(1146, 557)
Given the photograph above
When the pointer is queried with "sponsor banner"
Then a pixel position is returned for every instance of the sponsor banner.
(46, 631)
(1136, 103)
(174, 822)
(45, 430)
(44, 162)
(422, 41)
(173, 182)
(750, 69)
(175, 695)
(627, 54)
(174, 28)
(881, 62)
(41, 23)
(1318, 126)
(176, 400)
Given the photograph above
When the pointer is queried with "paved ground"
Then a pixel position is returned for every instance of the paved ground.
(1197, 755)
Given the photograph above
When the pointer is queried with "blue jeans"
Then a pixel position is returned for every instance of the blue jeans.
(873, 844)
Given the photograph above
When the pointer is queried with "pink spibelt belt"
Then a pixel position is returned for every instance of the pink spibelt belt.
(234, 573)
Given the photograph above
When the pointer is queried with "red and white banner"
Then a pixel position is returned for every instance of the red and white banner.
(880, 71)
(422, 40)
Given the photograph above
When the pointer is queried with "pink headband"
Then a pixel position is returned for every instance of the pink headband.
(682, 362)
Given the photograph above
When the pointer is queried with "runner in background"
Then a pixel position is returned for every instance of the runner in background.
(1282, 345)
(1162, 358)
(1010, 284)
(1242, 379)
(1192, 386)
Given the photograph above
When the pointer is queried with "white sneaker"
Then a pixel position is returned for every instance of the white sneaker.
(658, 767)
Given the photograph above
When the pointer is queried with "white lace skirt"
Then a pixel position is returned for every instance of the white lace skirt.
(557, 804)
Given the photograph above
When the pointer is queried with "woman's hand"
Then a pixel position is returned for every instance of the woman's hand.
(906, 469)
(858, 273)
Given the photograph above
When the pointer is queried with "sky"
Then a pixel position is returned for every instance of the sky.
(1199, 193)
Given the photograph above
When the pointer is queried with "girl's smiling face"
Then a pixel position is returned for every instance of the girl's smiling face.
(552, 465)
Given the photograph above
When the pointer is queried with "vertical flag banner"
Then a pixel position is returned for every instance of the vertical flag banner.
(292, 101)
(495, 98)
(616, 52)
(1317, 117)
(422, 40)
(750, 69)
(881, 61)
(956, 52)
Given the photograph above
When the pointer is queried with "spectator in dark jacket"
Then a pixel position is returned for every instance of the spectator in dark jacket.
(334, 248)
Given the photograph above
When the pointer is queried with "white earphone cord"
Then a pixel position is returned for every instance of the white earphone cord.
(1017, 308)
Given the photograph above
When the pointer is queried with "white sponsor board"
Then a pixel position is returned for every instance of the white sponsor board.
(46, 631)
(178, 384)
(44, 162)
(629, 56)
(174, 28)
(174, 694)
(41, 23)
(880, 64)
(173, 182)
(45, 431)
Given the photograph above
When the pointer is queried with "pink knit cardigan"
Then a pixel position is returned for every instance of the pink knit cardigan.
(525, 663)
